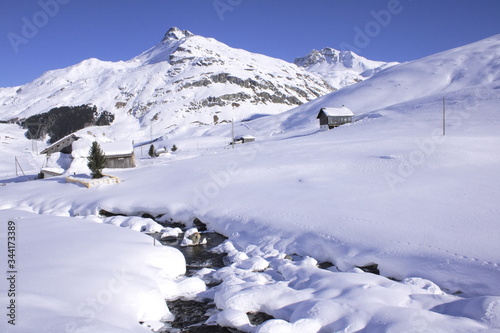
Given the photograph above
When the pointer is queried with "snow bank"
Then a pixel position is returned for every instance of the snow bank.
(306, 298)
(134, 223)
(75, 276)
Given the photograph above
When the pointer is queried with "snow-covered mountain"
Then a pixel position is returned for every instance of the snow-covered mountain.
(183, 79)
(340, 68)
(464, 75)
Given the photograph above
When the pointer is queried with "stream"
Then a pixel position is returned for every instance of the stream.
(191, 315)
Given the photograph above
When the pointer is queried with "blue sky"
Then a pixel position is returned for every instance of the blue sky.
(40, 35)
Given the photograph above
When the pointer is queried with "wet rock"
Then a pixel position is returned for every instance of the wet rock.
(192, 237)
(147, 216)
(195, 238)
(325, 265)
(370, 268)
(163, 221)
(257, 318)
(197, 222)
(105, 213)
(394, 279)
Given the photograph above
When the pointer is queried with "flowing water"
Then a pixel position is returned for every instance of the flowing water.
(191, 315)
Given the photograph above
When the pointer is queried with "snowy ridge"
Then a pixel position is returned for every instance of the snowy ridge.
(184, 79)
(340, 68)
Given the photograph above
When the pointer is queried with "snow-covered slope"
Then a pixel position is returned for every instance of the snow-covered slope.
(183, 79)
(340, 68)
(465, 73)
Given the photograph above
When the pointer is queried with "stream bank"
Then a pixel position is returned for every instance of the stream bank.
(191, 315)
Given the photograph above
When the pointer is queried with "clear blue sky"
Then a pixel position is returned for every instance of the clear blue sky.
(74, 30)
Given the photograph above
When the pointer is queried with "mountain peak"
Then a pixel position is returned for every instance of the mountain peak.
(328, 55)
(175, 33)
(340, 68)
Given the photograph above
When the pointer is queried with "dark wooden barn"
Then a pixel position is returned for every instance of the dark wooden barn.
(333, 117)
(244, 139)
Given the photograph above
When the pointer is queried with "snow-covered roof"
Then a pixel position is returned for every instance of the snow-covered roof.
(117, 148)
(54, 170)
(338, 112)
(68, 138)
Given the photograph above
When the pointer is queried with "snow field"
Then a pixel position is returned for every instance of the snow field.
(323, 195)
(76, 276)
(306, 209)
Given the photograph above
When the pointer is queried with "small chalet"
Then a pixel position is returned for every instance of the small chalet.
(61, 146)
(244, 139)
(332, 117)
(51, 172)
(118, 154)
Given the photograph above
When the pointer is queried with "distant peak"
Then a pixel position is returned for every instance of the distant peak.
(175, 33)
(327, 54)
(329, 51)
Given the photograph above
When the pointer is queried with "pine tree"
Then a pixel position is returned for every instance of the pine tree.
(96, 160)
(151, 151)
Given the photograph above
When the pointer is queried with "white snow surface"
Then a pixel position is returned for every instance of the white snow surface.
(117, 148)
(388, 189)
(79, 276)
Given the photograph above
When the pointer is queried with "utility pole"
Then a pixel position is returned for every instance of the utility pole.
(444, 117)
(20, 167)
(151, 129)
(232, 132)
(233, 105)
(34, 147)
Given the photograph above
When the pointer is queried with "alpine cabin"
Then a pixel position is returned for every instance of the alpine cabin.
(332, 117)
(244, 139)
(118, 154)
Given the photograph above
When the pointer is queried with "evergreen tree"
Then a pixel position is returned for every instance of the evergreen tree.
(96, 160)
(151, 151)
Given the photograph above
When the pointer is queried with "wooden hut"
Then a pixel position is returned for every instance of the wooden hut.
(244, 139)
(118, 154)
(334, 117)
(51, 172)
